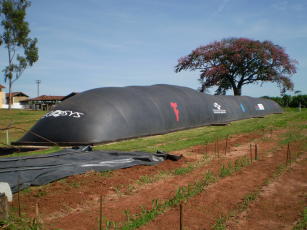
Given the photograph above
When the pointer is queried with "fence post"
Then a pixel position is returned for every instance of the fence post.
(288, 160)
(100, 213)
(18, 196)
(181, 217)
(7, 137)
(289, 153)
(218, 150)
(251, 153)
(226, 145)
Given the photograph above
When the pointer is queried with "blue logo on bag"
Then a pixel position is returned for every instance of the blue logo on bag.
(243, 108)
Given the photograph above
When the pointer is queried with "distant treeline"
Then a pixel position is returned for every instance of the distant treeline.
(290, 101)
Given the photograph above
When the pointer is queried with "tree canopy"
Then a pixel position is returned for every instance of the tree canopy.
(21, 49)
(234, 62)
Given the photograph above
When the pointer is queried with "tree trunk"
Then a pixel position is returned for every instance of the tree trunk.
(10, 93)
(203, 88)
(237, 91)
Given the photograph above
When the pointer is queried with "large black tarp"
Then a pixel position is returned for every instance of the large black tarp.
(43, 169)
(114, 113)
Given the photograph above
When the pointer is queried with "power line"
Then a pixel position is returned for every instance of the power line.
(38, 82)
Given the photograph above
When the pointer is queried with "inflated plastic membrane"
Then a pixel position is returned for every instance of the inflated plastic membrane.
(114, 113)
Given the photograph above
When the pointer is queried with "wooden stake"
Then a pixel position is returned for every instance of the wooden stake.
(218, 150)
(36, 211)
(288, 160)
(271, 132)
(215, 148)
(181, 217)
(226, 145)
(100, 213)
(7, 137)
(289, 153)
(37, 220)
(256, 152)
(250, 152)
(18, 197)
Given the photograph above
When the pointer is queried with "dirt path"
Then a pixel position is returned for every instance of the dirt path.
(73, 203)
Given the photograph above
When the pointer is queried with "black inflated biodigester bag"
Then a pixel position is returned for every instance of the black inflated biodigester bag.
(114, 113)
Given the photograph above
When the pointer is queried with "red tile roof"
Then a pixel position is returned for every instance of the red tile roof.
(46, 98)
(1, 86)
(14, 94)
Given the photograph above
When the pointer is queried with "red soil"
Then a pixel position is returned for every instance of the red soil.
(73, 203)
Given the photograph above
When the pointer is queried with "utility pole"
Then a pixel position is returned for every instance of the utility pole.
(38, 82)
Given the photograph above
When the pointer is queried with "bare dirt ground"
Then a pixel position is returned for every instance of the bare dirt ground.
(73, 203)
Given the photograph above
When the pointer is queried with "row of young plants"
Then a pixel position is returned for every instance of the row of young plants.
(186, 192)
(182, 194)
(220, 223)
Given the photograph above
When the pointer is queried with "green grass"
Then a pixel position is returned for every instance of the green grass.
(225, 171)
(147, 179)
(302, 223)
(230, 168)
(247, 200)
(183, 170)
(168, 142)
(38, 152)
(19, 223)
(23, 119)
(106, 174)
(220, 223)
(187, 138)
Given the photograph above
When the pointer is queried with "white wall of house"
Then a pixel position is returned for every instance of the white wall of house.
(13, 106)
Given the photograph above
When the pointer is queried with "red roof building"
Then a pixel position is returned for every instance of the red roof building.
(43, 102)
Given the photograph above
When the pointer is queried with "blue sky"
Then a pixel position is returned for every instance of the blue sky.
(86, 44)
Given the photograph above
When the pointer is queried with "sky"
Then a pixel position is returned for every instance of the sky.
(85, 44)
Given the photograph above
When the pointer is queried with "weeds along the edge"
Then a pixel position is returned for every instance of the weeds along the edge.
(182, 194)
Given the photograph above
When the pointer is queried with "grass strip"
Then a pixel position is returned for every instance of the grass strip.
(19, 223)
(302, 223)
(38, 152)
(203, 135)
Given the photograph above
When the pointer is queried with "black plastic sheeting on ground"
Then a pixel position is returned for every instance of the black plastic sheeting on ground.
(43, 169)
(114, 113)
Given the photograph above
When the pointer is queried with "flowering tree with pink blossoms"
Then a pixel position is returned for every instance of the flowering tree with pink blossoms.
(234, 62)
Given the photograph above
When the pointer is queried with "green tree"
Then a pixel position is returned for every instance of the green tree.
(21, 49)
